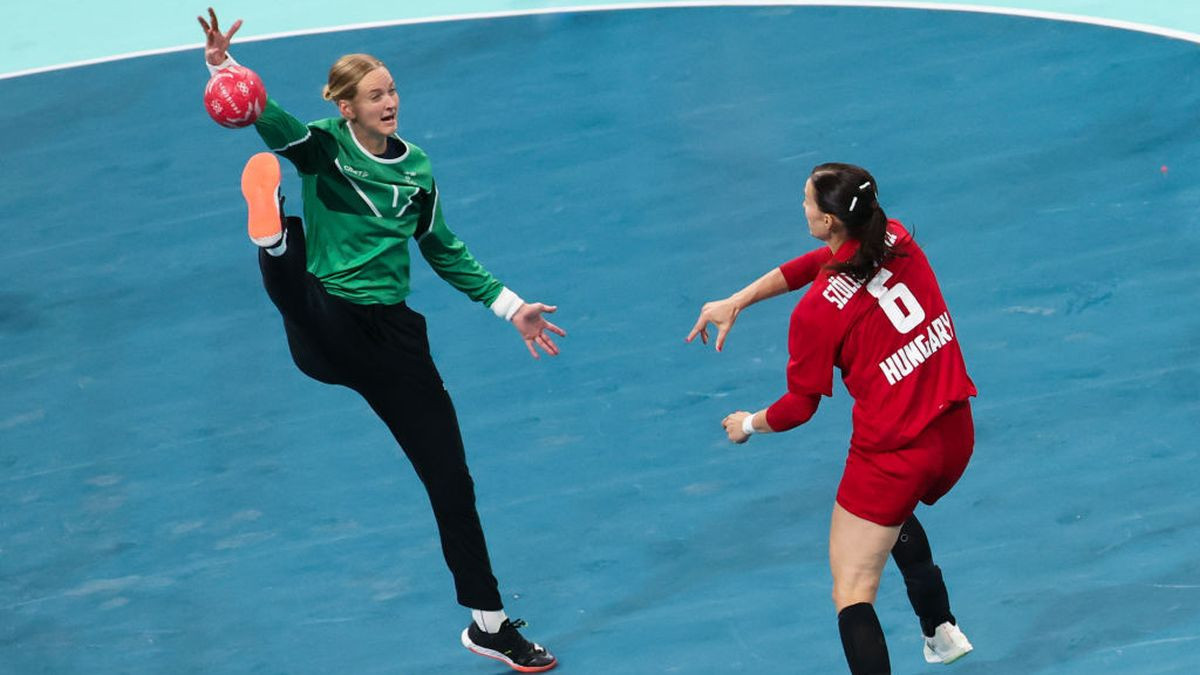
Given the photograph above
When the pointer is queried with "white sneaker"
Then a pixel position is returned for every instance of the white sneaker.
(947, 645)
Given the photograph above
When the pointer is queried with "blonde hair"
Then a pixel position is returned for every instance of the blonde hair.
(345, 75)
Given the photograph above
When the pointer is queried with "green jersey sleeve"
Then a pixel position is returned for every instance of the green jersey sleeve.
(306, 147)
(449, 257)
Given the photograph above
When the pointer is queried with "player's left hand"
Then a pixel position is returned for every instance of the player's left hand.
(733, 426)
(535, 329)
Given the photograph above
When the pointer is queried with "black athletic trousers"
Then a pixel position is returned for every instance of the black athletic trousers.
(382, 352)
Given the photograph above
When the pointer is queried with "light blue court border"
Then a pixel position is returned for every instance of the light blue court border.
(55, 33)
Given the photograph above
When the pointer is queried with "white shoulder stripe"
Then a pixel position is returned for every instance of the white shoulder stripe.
(307, 136)
(357, 189)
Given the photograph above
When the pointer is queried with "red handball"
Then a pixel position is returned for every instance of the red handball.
(235, 97)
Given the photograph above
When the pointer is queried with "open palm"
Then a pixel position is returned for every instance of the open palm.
(216, 43)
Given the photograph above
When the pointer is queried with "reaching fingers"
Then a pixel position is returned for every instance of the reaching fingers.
(700, 328)
(236, 25)
(535, 329)
(212, 14)
(544, 342)
(722, 331)
(203, 24)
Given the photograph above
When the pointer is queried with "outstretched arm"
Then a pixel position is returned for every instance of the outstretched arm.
(723, 313)
(282, 132)
(450, 259)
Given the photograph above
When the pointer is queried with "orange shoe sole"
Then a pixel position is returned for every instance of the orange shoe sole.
(260, 187)
(508, 662)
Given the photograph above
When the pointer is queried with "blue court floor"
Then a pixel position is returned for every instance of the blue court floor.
(176, 498)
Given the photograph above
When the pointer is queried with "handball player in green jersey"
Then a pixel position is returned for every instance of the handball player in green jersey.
(340, 277)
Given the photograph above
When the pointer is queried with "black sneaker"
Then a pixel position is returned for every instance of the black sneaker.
(509, 646)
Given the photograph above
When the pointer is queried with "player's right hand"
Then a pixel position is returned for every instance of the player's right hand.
(216, 43)
(720, 313)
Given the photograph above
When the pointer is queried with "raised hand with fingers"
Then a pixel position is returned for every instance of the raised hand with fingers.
(216, 43)
(535, 329)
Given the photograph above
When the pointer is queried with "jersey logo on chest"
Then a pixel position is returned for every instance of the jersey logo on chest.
(354, 172)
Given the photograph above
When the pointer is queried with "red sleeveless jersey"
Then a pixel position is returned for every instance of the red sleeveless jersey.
(892, 339)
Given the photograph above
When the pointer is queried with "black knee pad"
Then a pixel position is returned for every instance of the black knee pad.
(928, 595)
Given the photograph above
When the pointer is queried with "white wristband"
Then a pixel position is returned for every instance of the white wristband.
(506, 304)
(748, 425)
(212, 70)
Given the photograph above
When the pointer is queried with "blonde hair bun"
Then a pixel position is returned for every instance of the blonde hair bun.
(345, 75)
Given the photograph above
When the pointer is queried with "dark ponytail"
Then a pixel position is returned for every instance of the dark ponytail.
(850, 193)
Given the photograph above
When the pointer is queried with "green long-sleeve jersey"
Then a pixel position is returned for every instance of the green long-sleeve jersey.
(360, 210)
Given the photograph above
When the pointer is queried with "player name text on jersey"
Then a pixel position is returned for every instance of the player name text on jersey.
(840, 289)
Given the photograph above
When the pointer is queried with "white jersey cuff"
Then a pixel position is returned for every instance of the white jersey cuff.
(506, 304)
(212, 70)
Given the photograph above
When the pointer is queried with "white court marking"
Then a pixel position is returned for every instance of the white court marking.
(928, 6)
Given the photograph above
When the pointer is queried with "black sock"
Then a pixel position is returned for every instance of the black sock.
(923, 579)
(862, 638)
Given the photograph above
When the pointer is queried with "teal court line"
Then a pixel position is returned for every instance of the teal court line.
(54, 33)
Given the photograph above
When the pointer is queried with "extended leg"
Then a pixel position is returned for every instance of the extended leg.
(422, 418)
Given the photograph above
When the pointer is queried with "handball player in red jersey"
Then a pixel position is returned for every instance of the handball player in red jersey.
(875, 312)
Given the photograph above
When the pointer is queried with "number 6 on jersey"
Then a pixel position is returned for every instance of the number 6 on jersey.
(890, 300)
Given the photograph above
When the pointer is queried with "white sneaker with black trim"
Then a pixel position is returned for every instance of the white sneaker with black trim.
(947, 645)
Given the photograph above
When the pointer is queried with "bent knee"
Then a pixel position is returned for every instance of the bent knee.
(846, 594)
